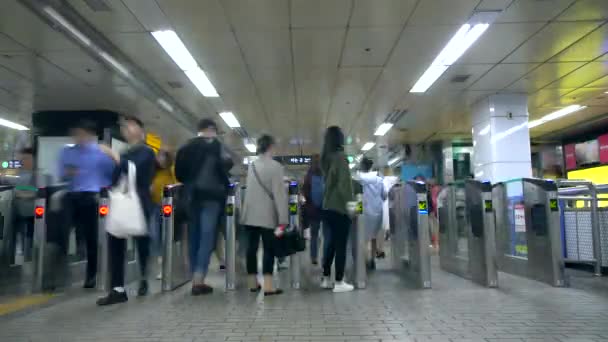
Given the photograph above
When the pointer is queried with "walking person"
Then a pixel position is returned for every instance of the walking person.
(202, 165)
(265, 213)
(86, 169)
(313, 188)
(338, 192)
(142, 156)
(374, 196)
(164, 175)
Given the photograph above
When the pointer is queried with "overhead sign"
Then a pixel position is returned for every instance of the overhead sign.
(294, 160)
(11, 164)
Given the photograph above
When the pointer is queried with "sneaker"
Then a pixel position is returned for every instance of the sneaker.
(326, 283)
(159, 276)
(222, 268)
(203, 289)
(380, 255)
(143, 288)
(114, 297)
(342, 286)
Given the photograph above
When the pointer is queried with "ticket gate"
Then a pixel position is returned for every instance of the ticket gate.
(7, 229)
(467, 232)
(360, 244)
(230, 236)
(410, 237)
(295, 260)
(528, 230)
(175, 267)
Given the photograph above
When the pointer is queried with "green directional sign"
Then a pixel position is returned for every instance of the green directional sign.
(350, 159)
(4, 164)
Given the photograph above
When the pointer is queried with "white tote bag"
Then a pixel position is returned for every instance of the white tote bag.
(126, 216)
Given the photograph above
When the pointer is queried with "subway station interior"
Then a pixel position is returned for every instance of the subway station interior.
(465, 199)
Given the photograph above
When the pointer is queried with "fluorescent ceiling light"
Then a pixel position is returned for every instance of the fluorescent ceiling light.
(201, 82)
(166, 106)
(368, 146)
(556, 115)
(178, 52)
(251, 147)
(13, 125)
(393, 161)
(352, 165)
(464, 38)
(230, 119)
(485, 130)
(383, 129)
(66, 25)
(121, 68)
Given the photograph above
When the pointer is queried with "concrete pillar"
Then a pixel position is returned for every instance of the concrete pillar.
(501, 139)
(448, 162)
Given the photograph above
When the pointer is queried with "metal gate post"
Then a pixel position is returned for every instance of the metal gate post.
(360, 245)
(294, 222)
(230, 236)
(103, 255)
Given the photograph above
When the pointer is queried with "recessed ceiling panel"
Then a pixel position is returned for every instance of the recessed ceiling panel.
(117, 19)
(588, 48)
(196, 15)
(265, 49)
(543, 76)
(257, 14)
(352, 88)
(369, 46)
(580, 77)
(586, 10)
(144, 49)
(419, 45)
(443, 12)
(316, 47)
(533, 10)
(501, 76)
(550, 41)
(319, 13)
(381, 12)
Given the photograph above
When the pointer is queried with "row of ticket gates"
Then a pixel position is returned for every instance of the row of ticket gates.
(483, 229)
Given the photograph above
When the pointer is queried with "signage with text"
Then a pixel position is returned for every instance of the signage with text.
(294, 160)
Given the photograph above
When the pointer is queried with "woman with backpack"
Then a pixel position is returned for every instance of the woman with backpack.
(338, 193)
(313, 188)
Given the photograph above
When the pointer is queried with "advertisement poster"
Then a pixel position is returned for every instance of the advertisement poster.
(603, 142)
(570, 156)
(519, 216)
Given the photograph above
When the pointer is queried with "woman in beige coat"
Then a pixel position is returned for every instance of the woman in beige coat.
(265, 213)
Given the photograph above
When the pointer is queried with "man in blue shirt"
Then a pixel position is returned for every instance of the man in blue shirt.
(86, 169)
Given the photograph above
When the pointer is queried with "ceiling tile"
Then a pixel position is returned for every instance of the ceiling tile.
(276, 90)
(586, 10)
(317, 47)
(7, 44)
(443, 12)
(501, 76)
(587, 49)
(544, 75)
(314, 88)
(547, 97)
(602, 82)
(212, 49)
(492, 5)
(265, 49)
(369, 46)
(143, 49)
(118, 19)
(352, 88)
(533, 11)
(472, 71)
(582, 96)
(419, 45)
(498, 42)
(257, 14)
(381, 12)
(580, 77)
(554, 38)
(83, 68)
(195, 16)
(319, 13)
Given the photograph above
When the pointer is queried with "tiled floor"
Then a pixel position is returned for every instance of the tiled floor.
(389, 310)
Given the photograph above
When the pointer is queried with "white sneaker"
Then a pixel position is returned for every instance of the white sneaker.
(343, 287)
(159, 276)
(326, 283)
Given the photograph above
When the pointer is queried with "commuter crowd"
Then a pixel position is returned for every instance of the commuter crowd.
(202, 166)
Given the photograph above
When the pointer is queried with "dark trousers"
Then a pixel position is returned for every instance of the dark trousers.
(253, 241)
(117, 247)
(339, 226)
(81, 209)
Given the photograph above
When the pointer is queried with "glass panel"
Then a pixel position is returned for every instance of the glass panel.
(517, 219)
(462, 241)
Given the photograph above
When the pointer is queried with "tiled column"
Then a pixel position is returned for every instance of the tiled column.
(501, 138)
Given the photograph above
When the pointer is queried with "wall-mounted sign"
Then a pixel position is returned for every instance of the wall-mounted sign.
(11, 164)
(294, 160)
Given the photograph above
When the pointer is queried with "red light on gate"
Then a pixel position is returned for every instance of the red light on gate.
(167, 210)
(103, 210)
(39, 211)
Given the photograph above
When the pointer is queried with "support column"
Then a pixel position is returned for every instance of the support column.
(501, 138)
(448, 162)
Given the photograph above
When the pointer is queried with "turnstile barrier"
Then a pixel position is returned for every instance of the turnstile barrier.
(230, 236)
(295, 260)
(360, 244)
(467, 232)
(528, 233)
(175, 266)
(410, 236)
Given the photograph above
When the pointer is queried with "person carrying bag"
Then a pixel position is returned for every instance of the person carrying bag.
(126, 215)
(265, 214)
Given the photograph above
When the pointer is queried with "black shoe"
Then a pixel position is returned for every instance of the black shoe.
(371, 265)
(203, 289)
(89, 283)
(380, 255)
(273, 293)
(222, 267)
(255, 290)
(114, 297)
(315, 262)
(143, 288)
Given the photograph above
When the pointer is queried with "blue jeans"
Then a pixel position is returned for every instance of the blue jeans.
(326, 240)
(315, 227)
(202, 233)
(156, 233)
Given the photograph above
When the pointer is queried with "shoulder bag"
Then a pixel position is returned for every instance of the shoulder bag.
(126, 216)
(291, 242)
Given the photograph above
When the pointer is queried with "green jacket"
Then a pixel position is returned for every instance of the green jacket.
(338, 183)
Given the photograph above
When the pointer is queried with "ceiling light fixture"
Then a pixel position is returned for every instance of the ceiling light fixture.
(165, 105)
(251, 147)
(113, 62)
(178, 52)
(383, 129)
(13, 125)
(368, 146)
(393, 161)
(555, 115)
(66, 25)
(230, 119)
(464, 38)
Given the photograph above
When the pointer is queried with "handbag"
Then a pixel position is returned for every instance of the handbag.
(292, 241)
(126, 216)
